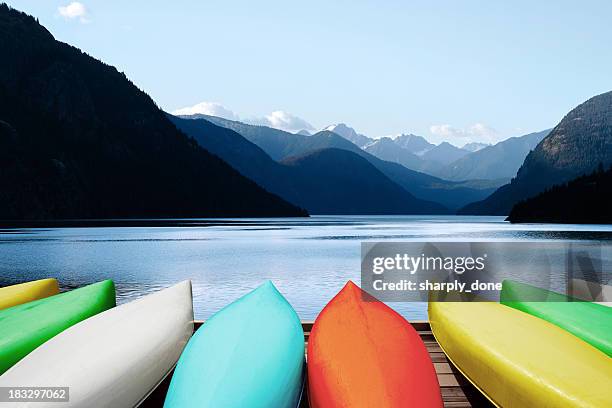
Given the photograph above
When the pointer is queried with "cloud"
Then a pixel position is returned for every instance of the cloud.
(282, 120)
(278, 119)
(478, 132)
(207, 108)
(74, 10)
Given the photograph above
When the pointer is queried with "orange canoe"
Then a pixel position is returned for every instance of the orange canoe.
(361, 353)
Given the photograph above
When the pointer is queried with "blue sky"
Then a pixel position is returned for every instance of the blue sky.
(449, 70)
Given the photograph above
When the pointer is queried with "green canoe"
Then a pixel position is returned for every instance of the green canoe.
(588, 321)
(27, 326)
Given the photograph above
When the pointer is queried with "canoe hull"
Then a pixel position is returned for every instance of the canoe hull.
(27, 326)
(587, 321)
(249, 354)
(116, 358)
(363, 354)
(27, 292)
(518, 360)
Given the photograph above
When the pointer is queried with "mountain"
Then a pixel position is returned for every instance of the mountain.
(444, 153)
(329, 181)
(79, 140)
(303, 132)
(365, 190)
(280, 145)
(500, 161)
(414, 144)
(246, 157)
(584, 200)
(349, 134)
(475, 146)
(385, 148)
(451, 194)
(576, 146)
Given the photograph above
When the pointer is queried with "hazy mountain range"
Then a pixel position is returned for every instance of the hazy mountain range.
(324, 180)
(280, 145)
(499, 161)
(474, 161)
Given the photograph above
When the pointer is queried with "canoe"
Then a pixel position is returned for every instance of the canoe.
(113, 359)
(249, 354)
(588, 321)
(25, 327)
(361, 353)
(26, 292)
(518, 360)
(591, 291)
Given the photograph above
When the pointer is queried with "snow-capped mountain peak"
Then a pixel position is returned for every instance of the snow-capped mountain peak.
(349, 133)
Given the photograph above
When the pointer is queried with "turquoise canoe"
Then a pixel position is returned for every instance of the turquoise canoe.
(27, 326)
(588, 321)
(249, 354)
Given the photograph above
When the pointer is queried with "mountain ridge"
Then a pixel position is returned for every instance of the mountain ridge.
(498, 161)
(79, 140)
(279, 145)
(334, 191)
(576, 146)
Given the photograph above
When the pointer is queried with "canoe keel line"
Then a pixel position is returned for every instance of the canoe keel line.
(249, 354)
(362, 353)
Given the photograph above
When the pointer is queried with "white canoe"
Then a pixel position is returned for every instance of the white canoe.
(114, 359)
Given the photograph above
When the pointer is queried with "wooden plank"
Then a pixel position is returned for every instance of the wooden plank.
(438, 357)
(451, 380)
(443, 368)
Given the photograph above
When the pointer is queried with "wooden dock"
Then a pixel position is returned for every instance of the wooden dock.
(457, 392)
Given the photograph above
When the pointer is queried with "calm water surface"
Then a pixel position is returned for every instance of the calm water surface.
(309, 260)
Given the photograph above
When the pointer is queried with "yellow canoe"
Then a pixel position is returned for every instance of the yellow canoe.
(26, 292)
(518, 360)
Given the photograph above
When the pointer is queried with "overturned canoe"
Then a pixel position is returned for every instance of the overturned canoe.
(249, 354)
(25, 327)
(27, 292)
(361, 353)
(518, 360)
(588, 321)
(116, 358)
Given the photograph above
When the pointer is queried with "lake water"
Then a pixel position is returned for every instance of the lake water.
(309, 260)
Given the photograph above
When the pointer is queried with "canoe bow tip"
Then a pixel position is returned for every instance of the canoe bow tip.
(186, 282)
(268, 286)
(351, 288)
(351, 285)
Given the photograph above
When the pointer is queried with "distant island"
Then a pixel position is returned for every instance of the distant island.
(584, 200)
